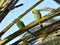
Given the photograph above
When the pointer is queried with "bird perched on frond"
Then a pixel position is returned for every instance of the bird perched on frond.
(37, 16)
(20, 24)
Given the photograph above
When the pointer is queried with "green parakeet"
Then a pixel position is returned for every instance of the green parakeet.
(37, 16)
(20, 24)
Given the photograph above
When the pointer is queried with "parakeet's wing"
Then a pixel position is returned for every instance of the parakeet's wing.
(20, 24)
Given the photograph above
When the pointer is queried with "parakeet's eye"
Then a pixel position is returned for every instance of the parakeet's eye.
(34, 11)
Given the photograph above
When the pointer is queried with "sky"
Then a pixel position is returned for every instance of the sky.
(28, 18)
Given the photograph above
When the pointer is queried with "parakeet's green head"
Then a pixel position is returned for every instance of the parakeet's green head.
(34, 11)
